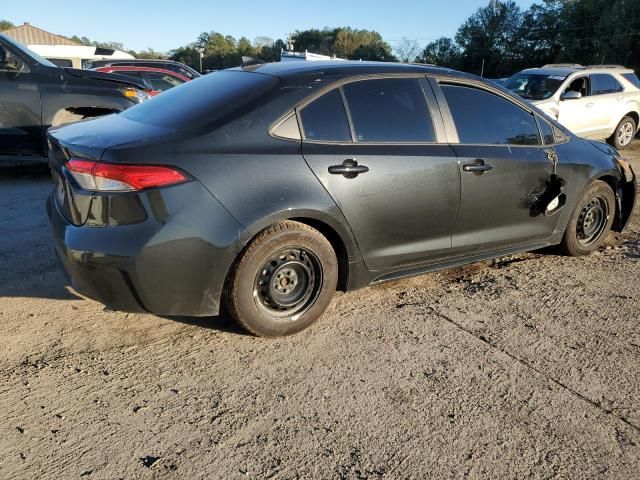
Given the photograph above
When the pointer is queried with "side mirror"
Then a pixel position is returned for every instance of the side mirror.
(571, 95)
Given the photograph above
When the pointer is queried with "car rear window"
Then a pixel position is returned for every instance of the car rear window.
(547, 132)
(632, 77)
(202, 101)
(601, 84)
(389, 110)
(325, 119)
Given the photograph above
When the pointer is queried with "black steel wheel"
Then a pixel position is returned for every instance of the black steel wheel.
(283, 281)
(590, 221)
(288, 283)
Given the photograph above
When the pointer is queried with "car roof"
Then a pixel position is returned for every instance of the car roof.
(347, 67)
(566, 71)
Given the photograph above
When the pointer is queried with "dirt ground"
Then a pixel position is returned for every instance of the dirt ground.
(524, 367)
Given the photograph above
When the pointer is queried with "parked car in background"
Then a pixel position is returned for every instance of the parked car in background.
(176, 67)
(36, 94)
(597, 101)
(157, 79)
(259, 191)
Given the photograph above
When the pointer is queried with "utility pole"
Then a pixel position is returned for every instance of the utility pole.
(200, 54)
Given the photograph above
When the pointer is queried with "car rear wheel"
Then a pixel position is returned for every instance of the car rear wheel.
(283, 281)
(625, 131)
(590, 221)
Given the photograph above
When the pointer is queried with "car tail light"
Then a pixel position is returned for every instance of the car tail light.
(109, 177)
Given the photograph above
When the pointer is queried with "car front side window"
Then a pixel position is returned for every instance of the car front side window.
(484, 118)
(9, 62)
(580, 85)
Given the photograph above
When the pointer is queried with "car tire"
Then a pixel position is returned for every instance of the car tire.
(624, 133)
(283, 281)
(590, 221)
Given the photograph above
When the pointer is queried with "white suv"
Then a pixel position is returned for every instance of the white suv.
(597, 102)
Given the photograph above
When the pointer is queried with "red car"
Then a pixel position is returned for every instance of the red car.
(158, 79)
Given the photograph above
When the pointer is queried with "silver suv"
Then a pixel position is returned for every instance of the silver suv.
(597, 101)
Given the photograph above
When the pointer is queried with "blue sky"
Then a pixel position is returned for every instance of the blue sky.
(163, 25)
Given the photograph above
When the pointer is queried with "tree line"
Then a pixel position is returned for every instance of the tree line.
(496, 40)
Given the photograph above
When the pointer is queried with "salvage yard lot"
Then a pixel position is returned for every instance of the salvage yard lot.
(525, 366)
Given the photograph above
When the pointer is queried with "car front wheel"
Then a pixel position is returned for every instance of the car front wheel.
(590, 221)
(283, 281)
(625, 131)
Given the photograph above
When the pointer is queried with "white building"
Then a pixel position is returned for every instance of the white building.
(291, 56)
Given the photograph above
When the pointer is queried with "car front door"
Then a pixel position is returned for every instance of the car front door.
(504, 168)
(584, 116)
(375, 146)
(20, 111)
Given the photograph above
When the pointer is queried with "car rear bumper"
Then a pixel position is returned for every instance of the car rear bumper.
(173, 263)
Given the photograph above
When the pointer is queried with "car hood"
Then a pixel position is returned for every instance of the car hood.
(91, 138)
(109, 77)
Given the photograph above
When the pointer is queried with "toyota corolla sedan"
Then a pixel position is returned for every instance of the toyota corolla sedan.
(259, 191)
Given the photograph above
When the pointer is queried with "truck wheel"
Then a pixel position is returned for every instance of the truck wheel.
(283, 281)
(624, 133)
(590, 221)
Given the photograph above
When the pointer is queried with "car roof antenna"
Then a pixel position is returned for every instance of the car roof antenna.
(248, 61)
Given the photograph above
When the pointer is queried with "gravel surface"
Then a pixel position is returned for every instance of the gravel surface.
(527, 366)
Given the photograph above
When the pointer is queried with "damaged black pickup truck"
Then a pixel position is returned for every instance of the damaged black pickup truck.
(35, 94)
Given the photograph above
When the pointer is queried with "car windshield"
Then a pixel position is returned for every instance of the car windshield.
(533, 86)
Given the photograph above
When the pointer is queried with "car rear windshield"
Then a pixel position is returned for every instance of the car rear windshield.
(202, 101)
(533, 86)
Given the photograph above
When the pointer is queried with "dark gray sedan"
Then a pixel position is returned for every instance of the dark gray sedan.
(259, 191)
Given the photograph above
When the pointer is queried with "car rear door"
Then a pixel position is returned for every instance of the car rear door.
(20, 110)
(607, 93)
(504, 168)
(377, 145)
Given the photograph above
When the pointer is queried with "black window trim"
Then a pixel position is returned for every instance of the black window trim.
(478, 85)
(432, 110)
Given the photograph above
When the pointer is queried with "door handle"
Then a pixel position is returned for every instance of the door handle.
(349, 168)
(478, 167)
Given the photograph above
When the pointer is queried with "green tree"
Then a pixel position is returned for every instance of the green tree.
(189, 55)
(490, 38)
(541, 33)
(378, 51)
(271, 53)
(6, 25)
(443, 52)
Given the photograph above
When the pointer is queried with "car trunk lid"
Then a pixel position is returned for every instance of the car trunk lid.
(89, 140)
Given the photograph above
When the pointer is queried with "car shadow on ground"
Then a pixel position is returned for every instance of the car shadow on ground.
(50, 284)
(222, 323)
